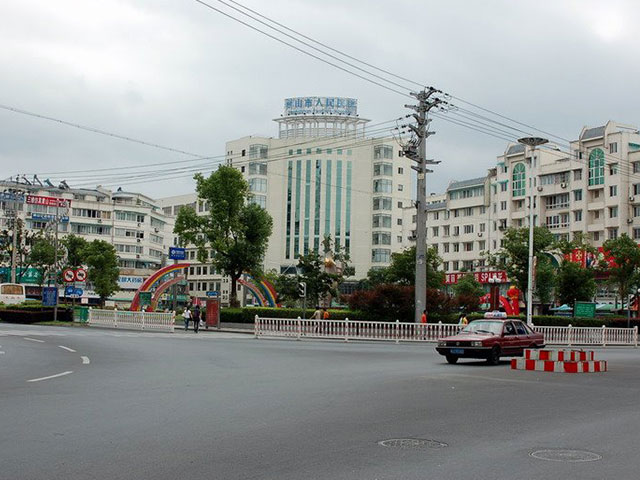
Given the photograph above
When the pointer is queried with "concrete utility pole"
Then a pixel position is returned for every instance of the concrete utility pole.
(55, 263)
(416, 150)
(14, 243)
(532, 142)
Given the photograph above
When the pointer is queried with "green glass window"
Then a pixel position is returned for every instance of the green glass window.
(327, 201)
(289, 182)
(307, 205)
(296, 225)
(338, 201)
(518, 177)
(316, 205)
(347, 220)
(596, 167)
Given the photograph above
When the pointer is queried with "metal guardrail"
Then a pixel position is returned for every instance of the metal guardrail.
(416, 332)
(126, 320)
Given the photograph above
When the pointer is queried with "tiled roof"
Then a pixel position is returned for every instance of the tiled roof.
(436, 206)
(595, 132)
(513, 149)
(466, 183)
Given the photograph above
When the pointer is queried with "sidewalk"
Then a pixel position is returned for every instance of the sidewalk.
(224, 327)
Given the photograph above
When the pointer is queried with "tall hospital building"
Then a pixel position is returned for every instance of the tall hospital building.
(322, 175)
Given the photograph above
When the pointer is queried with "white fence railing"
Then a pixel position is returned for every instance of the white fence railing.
(123, 319)
(415, 332)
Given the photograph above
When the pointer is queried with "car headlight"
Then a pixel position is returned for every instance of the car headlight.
(476, 344)
(442, 343)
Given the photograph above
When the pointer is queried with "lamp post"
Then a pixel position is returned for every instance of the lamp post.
(532, 142)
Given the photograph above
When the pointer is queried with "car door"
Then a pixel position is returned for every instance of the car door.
(524, 339)
(509, 338)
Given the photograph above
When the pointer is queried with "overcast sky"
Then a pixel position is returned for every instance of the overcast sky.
(181, 75)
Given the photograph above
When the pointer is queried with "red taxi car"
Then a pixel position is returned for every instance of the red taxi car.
(490, 338)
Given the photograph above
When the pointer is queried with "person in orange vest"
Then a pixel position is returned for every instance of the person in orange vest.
(325, 314)
(423, 317)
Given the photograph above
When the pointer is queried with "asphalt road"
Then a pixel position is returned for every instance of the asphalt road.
(227, 406)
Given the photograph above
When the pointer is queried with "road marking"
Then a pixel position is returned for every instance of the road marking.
(50, 376)
(85, 360)
(67, 349)
(1, 352)
(33, 340)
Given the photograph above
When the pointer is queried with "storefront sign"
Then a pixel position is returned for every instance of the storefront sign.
(482, 277)
(320, 106)
(48, 201)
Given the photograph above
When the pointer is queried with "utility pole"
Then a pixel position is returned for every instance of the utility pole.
(532, 142)
(55, 263)
(416, 150)
(14, 243)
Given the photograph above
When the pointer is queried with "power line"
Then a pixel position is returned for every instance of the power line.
(96, 130)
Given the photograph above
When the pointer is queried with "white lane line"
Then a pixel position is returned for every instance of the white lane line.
(85, 360)
(67, 349)
(1, 352)
(33, 340)
(51, 376)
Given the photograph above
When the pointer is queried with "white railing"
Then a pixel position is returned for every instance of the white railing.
(416, 332)
(123, 319)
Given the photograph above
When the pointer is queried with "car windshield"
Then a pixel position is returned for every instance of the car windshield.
(484, 326)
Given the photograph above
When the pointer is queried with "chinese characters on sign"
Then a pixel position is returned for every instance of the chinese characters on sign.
(482, 277)
(320, 106)
(48, 201)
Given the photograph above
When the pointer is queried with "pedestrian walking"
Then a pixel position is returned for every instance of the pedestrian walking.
(196, 318)
(325, 314)
(423, 317)
(463, 321)
(186, 315)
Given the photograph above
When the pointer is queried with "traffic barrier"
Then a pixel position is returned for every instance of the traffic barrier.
(127, 320)
(560, 355)
(559, 366)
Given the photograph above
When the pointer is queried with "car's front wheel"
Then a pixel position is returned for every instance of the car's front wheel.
(494, 356)
(452, 359)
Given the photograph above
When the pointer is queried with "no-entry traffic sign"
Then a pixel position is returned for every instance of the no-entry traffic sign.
(68, 275)
(81, 275)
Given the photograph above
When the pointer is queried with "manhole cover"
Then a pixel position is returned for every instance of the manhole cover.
(560, 455)
(415, 443)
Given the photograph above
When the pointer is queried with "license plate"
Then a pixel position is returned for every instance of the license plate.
(457, 351)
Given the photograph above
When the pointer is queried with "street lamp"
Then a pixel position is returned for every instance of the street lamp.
(532, 142)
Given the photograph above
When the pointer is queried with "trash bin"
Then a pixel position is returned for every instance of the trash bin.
(80, 314)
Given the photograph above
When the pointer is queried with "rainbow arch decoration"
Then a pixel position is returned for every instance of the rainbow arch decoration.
(150, 282)
(264, 291)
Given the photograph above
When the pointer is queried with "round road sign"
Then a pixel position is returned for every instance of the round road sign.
(68, 275)
(81, 274)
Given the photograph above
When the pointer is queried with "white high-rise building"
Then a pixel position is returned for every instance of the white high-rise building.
(323, 176)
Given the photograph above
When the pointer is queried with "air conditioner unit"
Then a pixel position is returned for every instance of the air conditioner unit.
(139, 224)
(563, 185)
(137, 255)
(156, 230)
(138, 240)
(99, 220)
(632, 198)
(28, 214)
(479, 234)
(629, 220)
(539, 189)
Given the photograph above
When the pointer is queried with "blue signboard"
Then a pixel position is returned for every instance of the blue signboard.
(73, 292)
(320, 106)
(213, 294)
(49, 296)
(11, 197)
(47, 217)
(177, 253)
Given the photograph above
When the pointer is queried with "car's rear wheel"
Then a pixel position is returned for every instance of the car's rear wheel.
(452, 359)
(494, 356)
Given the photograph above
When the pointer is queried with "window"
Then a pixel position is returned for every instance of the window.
(381, 238)
(380, 255)
(504, 186)
(400, 170)
(613, 169)
(503, 205)
(382, 186)
(577, 215)
(613, 147)
(399, 204)
(636, 233)
(557, 201)
(483, 226)
(399, 239)
(518, 177)
(456, 265)
(258, 184)
(456, 231)
(446, 230)
(382, 203)
(596, 167)
(445, 246)
(613, 212)
(468, 229)
(467, 193)
(577, 174)
(613, 233)
(382, 151)
(596, 194)
(468, 246)
(399, 221)
(596, 236)
(636, 211)
(400, 187)
(482, 245)
(613, 190)
(636, 188)
(467, 212)
(436, 231)
(636, 167)
(383, 169)
(257, 168)
(260, 200)
(436, 215)
(383, 221)
(456, 247)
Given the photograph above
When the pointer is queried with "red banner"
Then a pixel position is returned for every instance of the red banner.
(482, 277)
(48, 201)
(213, 312)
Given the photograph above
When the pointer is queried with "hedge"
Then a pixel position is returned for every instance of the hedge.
(247, 315)
(33, 314)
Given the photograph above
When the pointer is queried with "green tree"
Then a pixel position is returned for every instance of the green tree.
(574, 283)
(545, 279)
(402, 269)
(468, 285)
(43, 256)
(514, 254)
(286, 287)
(319, 281)
(74, 247)
(236, 231)
(102, 262)
(625, 268)
(25, 239)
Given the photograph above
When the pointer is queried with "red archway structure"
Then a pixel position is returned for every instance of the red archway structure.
(153, 280)
(161, 288)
